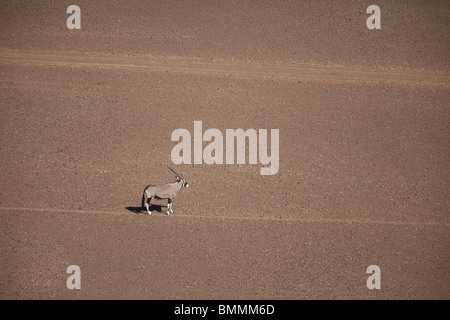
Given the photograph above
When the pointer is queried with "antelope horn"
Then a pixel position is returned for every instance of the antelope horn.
(175, 173)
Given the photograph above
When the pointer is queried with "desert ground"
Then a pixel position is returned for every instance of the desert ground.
(364, 146)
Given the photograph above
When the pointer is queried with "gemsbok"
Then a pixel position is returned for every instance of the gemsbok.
(167, 191)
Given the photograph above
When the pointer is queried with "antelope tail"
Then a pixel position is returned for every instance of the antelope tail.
(143, 199)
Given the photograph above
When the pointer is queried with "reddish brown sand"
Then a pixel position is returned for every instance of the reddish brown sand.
(87, 115)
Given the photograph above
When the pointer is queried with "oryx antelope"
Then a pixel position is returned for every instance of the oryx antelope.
(167, 191)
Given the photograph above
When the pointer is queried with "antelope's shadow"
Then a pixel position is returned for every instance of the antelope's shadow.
(139, 210)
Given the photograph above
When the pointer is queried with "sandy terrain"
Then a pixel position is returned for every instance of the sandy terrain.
(87, 115)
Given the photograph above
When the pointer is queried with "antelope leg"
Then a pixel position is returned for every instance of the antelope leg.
(147, 206)
(169, 206)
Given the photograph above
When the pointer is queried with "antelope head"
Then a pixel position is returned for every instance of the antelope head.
(179, 178)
